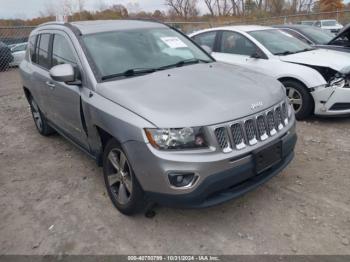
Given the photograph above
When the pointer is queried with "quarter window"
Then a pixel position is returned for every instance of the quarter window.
(206, 39)
(43, 51)
(62, 52)
(235, 43)
(31, 49)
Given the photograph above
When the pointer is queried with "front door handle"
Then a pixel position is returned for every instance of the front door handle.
(50, 84)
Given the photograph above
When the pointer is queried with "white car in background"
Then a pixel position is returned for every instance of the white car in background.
(316, 80)
(329, 25)
(18, 52)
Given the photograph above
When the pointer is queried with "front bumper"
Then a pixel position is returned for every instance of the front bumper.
(332, 101)
(219, 179)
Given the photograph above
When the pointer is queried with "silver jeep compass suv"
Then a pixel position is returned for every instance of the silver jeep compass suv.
(167, 122)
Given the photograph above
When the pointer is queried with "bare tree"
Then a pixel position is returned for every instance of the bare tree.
(183, 8)
(211, 6)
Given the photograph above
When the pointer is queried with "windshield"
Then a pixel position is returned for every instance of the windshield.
(279, 42)
(117, 52)
(329, 23)
(318, 36)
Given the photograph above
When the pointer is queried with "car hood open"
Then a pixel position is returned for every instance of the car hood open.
(345, 32)
(320, 57)
(194, 95)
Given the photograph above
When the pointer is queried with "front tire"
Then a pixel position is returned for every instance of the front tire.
(122, 186)
(300, 98)
(39, 119)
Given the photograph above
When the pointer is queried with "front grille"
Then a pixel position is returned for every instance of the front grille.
(222, 137)
(262, 127)
(248, 132)
(279, 118)
(237, 136)
(271, 123)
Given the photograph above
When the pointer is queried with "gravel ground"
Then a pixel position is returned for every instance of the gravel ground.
(53, 200)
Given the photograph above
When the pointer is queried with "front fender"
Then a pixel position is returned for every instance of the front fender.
(308, 76)
(116, 120)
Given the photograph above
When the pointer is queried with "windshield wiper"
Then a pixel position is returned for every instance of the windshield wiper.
(285, 53)
(306, 49)
(185, 62)
(130, 72)
(295, 52)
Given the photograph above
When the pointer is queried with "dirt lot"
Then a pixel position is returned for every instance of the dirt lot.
(53, 200)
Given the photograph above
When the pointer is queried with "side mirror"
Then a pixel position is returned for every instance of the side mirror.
(207, 49)
(257, 55)
(64, 73)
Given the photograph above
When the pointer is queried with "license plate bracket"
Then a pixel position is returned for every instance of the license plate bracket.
(268, 157)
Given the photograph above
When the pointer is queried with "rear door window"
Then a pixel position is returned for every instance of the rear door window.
(43, 47)
(31, 50)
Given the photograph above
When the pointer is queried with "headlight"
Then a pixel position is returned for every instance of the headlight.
(177, 138)
(338, 82)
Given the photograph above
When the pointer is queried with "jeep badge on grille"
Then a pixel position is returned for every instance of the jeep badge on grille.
(256, 105)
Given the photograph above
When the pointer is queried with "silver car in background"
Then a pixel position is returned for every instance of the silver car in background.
(167, 122)
(18, 52)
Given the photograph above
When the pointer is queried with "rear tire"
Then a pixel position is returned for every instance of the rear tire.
(39, 119)
(300, 98)
(122, 186)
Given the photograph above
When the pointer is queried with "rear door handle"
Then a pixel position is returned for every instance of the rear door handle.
(50, 84)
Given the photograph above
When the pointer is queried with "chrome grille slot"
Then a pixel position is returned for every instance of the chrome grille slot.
(279, 119)
(262, 128)
(285, 113)
(271, 123)
(238, 136)
(250, 132)
(223, 139)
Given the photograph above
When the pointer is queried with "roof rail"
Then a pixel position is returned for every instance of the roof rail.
(52, 23)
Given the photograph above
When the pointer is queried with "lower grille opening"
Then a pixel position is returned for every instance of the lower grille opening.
(340, 106)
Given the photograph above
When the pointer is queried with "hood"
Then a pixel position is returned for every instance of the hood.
(320, 57)
(194, 95)
(345, 32)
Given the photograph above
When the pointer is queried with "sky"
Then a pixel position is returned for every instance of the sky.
(31, 8)
(26, 9)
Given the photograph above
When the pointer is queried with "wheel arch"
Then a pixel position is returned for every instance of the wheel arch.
(282, 79)
(103, 136)
(27, 93)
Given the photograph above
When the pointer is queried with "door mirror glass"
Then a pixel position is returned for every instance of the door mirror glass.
(258, 54)
(207, 49)
(255, 55)
(63, 73)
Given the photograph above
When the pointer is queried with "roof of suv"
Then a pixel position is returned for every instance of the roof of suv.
(98, 26)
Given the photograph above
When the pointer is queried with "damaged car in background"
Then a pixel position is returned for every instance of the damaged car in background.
(319, 38)
(316, 80)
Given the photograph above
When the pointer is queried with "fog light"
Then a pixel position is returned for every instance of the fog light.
(182, 180)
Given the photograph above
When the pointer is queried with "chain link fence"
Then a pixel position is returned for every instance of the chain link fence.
(12, 45)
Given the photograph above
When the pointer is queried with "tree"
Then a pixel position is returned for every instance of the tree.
(183, 8)
(331, 5)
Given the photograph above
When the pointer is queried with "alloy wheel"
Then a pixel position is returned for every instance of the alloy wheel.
(36, 115)
(295, 98)
(119, 176)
